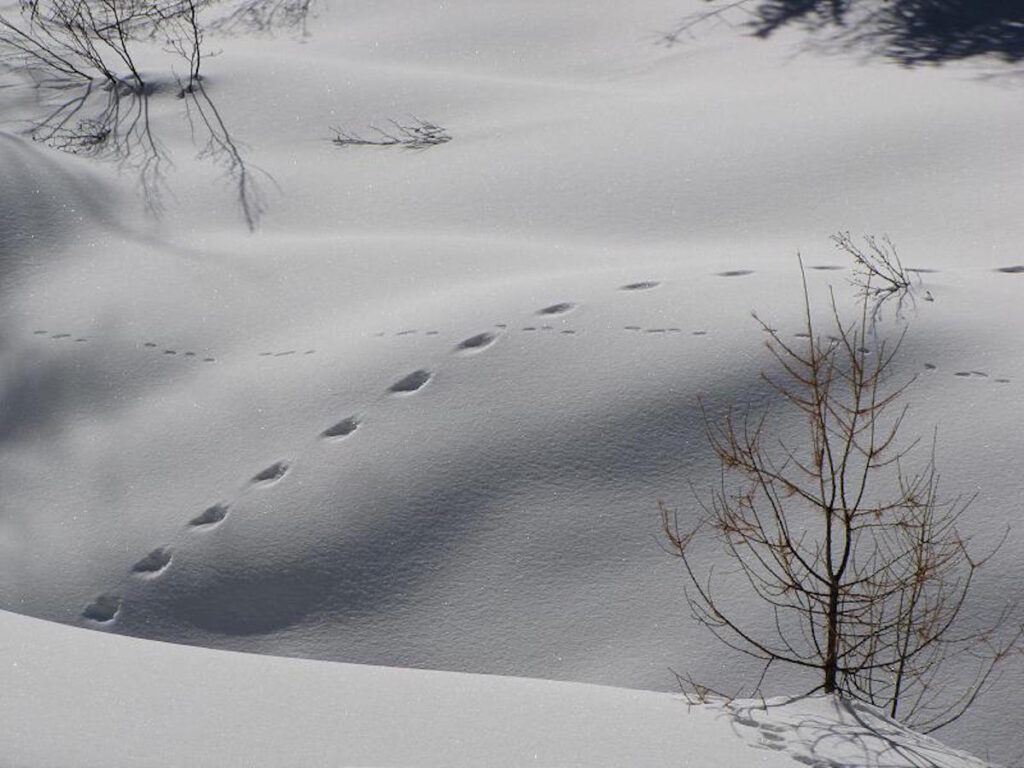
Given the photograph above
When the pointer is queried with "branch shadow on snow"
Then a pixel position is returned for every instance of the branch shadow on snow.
(844, 734)
(114, 122)
(909, 32)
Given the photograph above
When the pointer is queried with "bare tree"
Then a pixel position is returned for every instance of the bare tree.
(858, 563)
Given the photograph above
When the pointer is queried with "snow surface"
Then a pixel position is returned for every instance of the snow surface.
(87, 699)
(423, 415)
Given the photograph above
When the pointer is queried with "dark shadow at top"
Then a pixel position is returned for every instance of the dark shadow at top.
(911, 32)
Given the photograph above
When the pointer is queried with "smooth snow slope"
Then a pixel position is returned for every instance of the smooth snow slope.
(84, 699)
(571, 272)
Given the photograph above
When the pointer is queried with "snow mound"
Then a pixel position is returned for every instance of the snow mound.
(86, 699)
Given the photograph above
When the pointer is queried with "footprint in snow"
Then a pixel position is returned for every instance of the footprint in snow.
(411, 382)
(1016, 269)
(477, 343)
(343, 428)
(826, 267)
(643, 285)
(103, 609)
(557, 309)
(271, 474)
(154, 563)
(210, 516)
(736, 273)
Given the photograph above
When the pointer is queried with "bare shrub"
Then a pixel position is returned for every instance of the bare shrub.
(81, 56)
(878, 272)
(857, 563)
(419, 134)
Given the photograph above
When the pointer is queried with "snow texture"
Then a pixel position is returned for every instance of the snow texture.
(423, 415)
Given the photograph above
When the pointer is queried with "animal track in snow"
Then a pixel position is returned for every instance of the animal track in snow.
(930, 366)
(643, 285)
(971, 374)
(557, 309)
(103, 609)
(476, 343)
(154, 563)
(736, 273)
(343, 428)
(210, 516)
(271, 474)
(411, 382)
(40, 332)
(61, 336)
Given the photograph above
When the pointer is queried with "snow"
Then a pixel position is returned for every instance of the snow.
(88, 699)
(517, 324)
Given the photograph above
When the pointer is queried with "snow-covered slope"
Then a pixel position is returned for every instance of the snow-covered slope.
(85, 699)
(423, 415)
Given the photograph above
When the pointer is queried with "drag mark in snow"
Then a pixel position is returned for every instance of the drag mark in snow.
(271, 474)
(411, 382)
(343, 428)
(210, 516)
(154, 563)
(557, 309)
(103, 609)
(644, 285)
(476, 343)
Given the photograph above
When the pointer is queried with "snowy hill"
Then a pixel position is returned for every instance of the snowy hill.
(423, 414)
(85, 699)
